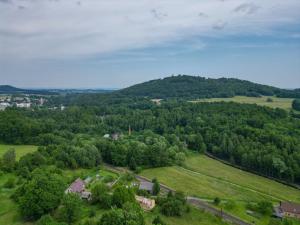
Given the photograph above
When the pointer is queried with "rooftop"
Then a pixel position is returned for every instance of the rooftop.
(290, 207)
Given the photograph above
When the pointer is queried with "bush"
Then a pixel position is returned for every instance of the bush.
(122, 195)
(217, 201)
(10, 183)
(156, 187)
(173, 205)
(265, 207)
(296, 104)
(100, 195)
(158, 221)
(262, 207)
(70, 210)
(48, 220)
(229, 205)
(108, 178)
(41, 195)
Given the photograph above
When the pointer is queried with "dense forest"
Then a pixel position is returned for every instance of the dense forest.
(257, 138)
(191, 87)
(177, 87)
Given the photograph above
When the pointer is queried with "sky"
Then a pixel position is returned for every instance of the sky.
(117, 43)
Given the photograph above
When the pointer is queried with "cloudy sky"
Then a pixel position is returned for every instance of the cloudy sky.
(116, 43)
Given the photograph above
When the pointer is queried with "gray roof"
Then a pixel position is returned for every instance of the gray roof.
(145, 185)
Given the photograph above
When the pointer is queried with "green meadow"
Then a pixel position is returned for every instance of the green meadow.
(284, 103)
(207, 178)
(20, 149)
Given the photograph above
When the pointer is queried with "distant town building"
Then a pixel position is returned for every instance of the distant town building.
(78, 187)
(288, 209)
(4, 105)
(146, 203)
(23, 105)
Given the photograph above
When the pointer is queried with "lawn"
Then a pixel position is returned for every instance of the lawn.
(207, 178)
(9, 214)
(194, 217)
(20, 149)
(284, 103)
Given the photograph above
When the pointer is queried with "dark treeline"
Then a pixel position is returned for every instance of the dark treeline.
(191, 87)
(257, 138)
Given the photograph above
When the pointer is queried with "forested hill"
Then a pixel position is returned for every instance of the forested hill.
(184, 86)
(7, 89)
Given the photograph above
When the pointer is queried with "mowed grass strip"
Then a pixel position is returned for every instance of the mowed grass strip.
(219, 170)
(21, 150)
(284, 103)
(194, 217)
(202, 186)
(209, 178)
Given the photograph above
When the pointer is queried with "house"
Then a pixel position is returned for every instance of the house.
(146, 186)
(78, 187)
(287, 209)
(146, 203)
(23, 105)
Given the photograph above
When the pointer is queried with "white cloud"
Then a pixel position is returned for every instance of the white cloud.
(72, 28)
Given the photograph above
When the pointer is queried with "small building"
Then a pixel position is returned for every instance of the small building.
(106, 135)
(146, 186)
(287, 209)
(146, 203)
(23, 105)
(78, 187)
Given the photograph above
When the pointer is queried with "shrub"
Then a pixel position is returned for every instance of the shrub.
(10, 183)
(217, 201)
(158, 221)
(156, 187)
(229, 205)
(122, 195)
(70, 210)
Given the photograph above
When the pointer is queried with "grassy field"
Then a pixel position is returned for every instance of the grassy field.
(207, 178)
(194, 217)
(9, 214)
(284, 103)
(20, 149)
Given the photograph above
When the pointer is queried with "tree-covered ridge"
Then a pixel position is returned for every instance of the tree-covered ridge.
(260, 139)
(8, 89)
(192, 87)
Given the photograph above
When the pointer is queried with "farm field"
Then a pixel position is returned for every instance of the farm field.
(20, 149)
(284, 103)
(207, 178)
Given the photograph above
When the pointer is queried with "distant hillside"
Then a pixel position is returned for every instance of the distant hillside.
(7, 89)
(184, 86)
